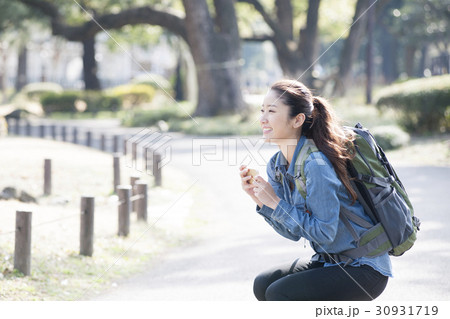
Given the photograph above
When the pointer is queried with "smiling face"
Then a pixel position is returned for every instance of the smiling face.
(275, 121)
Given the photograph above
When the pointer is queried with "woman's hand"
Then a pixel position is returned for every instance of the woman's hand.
(247, 186)
(264, 193)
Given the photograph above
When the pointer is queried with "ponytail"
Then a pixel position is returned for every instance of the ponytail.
(330, 138)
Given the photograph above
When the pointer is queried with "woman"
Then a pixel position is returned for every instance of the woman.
(289, 116)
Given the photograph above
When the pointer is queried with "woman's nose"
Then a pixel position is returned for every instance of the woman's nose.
(262, 118)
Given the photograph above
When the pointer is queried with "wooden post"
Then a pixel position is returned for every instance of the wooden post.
(17, 127)
(75, 136)
(87, 226)
(116, 143)
(133, 180)
(146, 159)
(63, 133)
(42, 131)
(22, 250)
(103, 142)
(47, 176)
(157, 169)
(8, 125)
(116, 167)
(53, 131)
(133, 153)
(141, 189)
(124, 193)
(88, 138)
(125, 146)
(28, 129)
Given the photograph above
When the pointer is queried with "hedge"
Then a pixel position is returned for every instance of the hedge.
(390, 137)
(94, 101)
(133, 94)
(423, 104)
(59, 102)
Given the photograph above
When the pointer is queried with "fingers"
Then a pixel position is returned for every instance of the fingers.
(246, 179)
(259, 180)
(243, 171)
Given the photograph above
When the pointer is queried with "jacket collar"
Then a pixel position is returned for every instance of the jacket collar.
(281, 161)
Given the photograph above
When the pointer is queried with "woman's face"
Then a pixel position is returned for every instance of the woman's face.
(275, 121)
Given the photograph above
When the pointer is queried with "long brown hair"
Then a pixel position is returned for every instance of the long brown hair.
(321, 125)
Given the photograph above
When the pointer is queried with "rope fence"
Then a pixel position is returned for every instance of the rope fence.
(132, 197)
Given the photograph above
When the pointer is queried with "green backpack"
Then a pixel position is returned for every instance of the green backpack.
(379, 191)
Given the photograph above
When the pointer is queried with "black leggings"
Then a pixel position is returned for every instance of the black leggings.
(312, 281)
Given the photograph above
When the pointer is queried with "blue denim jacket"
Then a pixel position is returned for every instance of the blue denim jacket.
(317, 217)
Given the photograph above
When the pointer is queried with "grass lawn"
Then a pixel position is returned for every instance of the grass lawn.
(58, 272)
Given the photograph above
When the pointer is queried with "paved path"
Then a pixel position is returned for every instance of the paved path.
(236, 244)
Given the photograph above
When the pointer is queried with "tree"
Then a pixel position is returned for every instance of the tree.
(296, 51)
(213, 42)
(417, 27)
(16, 22)
(351, 47)
(215, 47)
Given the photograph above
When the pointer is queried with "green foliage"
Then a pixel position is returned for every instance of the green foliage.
(59, 102)
(335, 19)
(424, 104)
(133, 94)
(421, 21)
(79, 101)
(97, 101)
(390, 137)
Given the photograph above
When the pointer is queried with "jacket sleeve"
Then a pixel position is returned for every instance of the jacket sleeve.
(317, 218)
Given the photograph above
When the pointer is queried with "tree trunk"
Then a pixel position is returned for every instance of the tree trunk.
(297, 62)
(91, 81)
(216, 52)
(3, 74)
(308, 45)
(389, 48)
(410, 52)
(296, 55)
(422, 62)
(179, 80)
(370, 51)
(351, 47)
(22, 78)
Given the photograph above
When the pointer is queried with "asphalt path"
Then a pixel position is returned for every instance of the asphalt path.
(236, 243)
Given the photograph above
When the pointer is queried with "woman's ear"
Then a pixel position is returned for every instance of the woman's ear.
(299, 120)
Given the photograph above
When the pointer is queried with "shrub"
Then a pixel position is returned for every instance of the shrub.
(133, 94)
(97, 101)
(423, 104)
(94, 101)
(59, 102)
(390, 137)
(35, 91)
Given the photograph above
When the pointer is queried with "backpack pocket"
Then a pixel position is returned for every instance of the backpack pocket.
(393, 213)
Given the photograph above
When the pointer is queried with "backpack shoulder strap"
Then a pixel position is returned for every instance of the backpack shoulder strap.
(300, 180)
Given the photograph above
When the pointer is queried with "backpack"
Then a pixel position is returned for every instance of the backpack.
(380, 192)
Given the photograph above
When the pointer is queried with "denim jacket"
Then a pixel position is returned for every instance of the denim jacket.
(316, 218)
